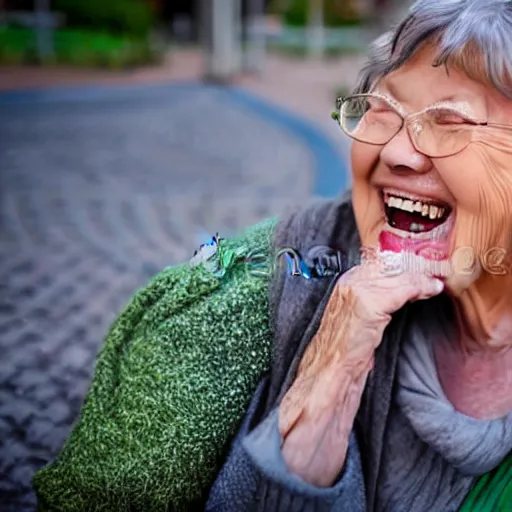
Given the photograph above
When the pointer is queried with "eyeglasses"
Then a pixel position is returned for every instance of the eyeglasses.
(436, 131)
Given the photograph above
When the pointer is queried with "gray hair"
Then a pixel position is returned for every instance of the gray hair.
(474, 36)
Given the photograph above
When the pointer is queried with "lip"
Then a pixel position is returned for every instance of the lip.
(415, 194)
(414, 197)
(434, 249)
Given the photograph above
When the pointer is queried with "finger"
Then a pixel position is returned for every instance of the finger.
(411, 286)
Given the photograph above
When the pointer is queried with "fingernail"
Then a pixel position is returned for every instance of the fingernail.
(438, 285)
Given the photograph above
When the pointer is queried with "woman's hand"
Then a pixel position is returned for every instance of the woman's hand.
(317, 414)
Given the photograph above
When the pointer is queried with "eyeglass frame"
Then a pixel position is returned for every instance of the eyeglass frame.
(471, 125)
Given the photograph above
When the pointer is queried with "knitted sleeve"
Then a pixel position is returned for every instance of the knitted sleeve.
(171, 385)
(255, 476)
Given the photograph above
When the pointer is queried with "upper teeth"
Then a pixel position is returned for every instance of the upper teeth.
(408, 205)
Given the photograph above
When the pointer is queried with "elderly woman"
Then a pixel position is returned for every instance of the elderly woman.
(388, 386)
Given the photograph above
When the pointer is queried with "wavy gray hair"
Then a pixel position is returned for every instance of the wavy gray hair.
(474, 36)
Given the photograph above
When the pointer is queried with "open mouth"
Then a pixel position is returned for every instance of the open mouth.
(412, 214)
(417, 233)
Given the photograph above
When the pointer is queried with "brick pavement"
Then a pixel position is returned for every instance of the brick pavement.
(306, 87)
(96, 197)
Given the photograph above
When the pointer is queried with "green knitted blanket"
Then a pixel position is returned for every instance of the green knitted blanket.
(171, 386)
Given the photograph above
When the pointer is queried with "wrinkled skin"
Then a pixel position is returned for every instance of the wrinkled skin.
(475, 370)
(477, 182)
(317, 414)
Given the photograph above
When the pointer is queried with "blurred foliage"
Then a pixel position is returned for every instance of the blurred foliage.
(302, 51)
(341, 92)
(124, 17)
(77, 48)
(337, 13)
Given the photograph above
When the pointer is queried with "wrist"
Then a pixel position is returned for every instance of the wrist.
(322, 427)
(356, 366)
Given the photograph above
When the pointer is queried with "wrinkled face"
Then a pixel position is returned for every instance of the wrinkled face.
(399, 193)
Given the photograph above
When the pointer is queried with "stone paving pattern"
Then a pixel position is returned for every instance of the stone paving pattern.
(95, 198)
(305, 86)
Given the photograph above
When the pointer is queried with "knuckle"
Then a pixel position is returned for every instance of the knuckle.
(415, 280)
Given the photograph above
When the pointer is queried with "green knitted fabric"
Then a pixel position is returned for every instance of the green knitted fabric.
(171, 385)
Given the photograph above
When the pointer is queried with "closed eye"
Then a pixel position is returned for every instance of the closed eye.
(450, 117)
(378, 105)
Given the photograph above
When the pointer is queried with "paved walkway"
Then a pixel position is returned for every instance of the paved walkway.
(102, 188)
(305, 87)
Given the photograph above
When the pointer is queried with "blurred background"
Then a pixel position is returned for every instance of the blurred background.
(130, 131)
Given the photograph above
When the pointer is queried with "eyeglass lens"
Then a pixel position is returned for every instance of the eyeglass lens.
(374, 120)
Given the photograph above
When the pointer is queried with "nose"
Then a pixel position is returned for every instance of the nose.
(400, 155)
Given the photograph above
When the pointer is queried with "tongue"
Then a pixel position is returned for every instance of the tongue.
(403, 220)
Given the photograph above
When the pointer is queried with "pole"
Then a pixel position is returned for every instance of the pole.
(222, 28)
(316, 28)
(43, 29)
(255, 52)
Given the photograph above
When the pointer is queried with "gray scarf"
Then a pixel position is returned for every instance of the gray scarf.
(473, 446)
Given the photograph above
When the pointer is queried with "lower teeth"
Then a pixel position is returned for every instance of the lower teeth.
(416, 228)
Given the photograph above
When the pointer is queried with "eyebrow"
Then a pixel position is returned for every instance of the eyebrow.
(462, 106)
(391, 100)
(390, 90)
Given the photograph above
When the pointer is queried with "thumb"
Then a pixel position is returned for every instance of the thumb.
(421, 286)
(414, 286)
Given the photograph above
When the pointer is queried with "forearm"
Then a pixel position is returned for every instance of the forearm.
(316, 446)
(318, 412)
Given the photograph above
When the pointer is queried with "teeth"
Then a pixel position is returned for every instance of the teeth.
(409, 205)
(415, 227)
(395, 202)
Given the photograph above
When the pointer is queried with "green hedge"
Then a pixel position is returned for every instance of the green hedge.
(77, 48)
(125, 17)
(337, 13)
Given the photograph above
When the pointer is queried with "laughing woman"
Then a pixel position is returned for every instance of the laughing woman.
(389, 383)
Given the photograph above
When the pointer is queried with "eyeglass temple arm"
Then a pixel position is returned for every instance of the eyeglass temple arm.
(497, 125)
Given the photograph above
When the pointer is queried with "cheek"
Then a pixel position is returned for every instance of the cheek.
(363, 159)
(365, 199)
(462, 178)
(480, 179)
(479, 182)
